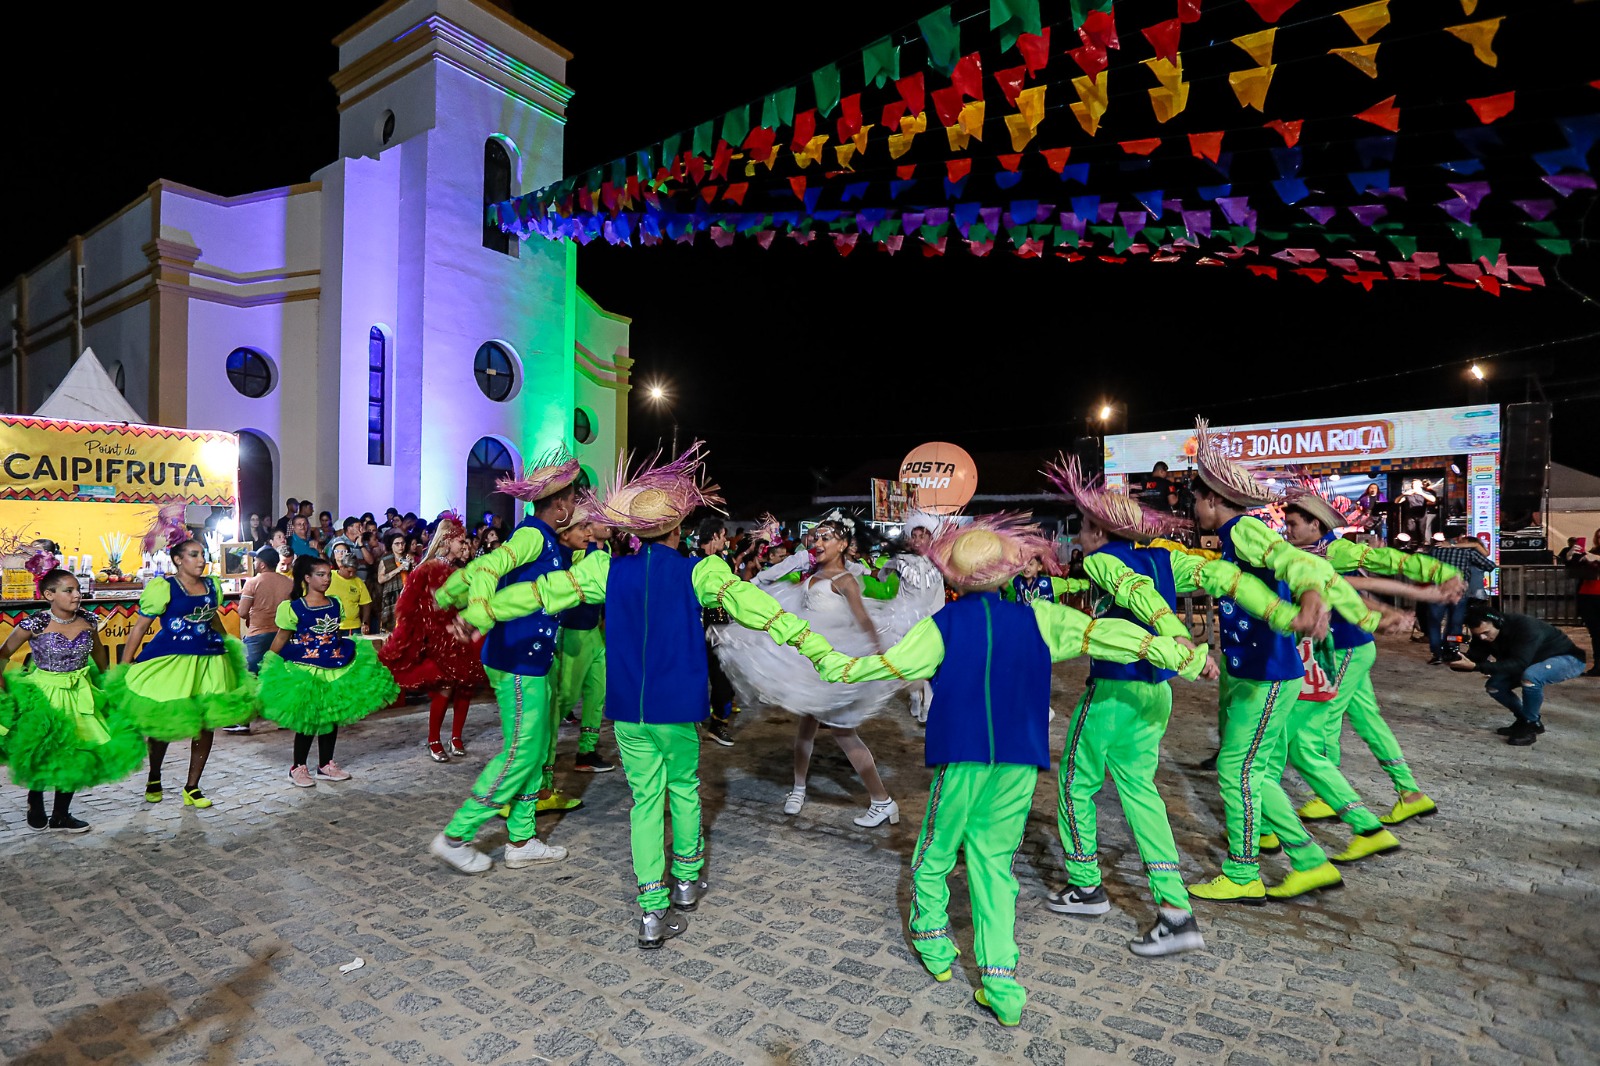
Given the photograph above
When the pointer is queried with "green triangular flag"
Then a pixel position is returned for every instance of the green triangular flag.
(1154, 234)
(778, 109)
(1241, 235)
(880, 62)
(978, 233)
(1483, 248)
(1555, 247)
(887, 228)
(703, 143)
(736, 125)
(670, 148)
(619, 172)
(943, 38)
(826, 84)
(1013, 18)
(1334, 238)
(1273, 234)
(1464, 231)
(1121, 239)
(933, 233)
(1546, 229)
(1406, 246)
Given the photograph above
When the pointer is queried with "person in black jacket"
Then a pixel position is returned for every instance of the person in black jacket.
(1518, 651)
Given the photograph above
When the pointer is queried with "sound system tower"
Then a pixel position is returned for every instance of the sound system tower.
(1525, 458)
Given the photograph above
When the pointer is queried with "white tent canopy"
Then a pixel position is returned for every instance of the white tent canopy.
(88, 395)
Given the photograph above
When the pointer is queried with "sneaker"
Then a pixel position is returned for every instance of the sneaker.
(657, 927)
(1221, 890)
(1075, 900)
(1316, 811)
(590, 762)
(1437, 660)
(38, 820)
(533, 852)
(719, 731)
(1522, 738)
(463, 856)
(1209, 763)
(1422, 808)
(1299, 882)
(236, 729)
(1514, 727)
(301, 777)
(329, 771)
(1269, 844)
(878, 813)
(794, 801)
(1166, 938)
(982, 1000)
(68, 824)
(1363, 845)
(686, 894)
(557, 801)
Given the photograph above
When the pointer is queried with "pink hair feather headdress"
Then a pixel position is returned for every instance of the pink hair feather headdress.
(1112, 510)
(1225, 477)
(768, 528)
(545, 476)
(989, 549)
(168, 529)
(658, 496)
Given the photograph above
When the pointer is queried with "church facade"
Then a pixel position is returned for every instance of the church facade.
(371, 340)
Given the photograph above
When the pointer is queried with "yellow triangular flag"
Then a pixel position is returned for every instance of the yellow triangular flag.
(1367, 19)
(1468, 7)
(1030, 104)
(1250, 86)
(1258, 45)
(900, 144)
(914, 125)
(860, 138)
(1094, 92)
(1363, 57)
(959, 138)
(772, 157)
(813, 151)
(844, 151)
(1480, 35)
(1021, 131)
(971, 118)
(1169, 100)
(1168, 74)
(1088, 117)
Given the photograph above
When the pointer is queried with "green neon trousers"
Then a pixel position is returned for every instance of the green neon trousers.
(982, 808)
(513, 775)
(582, 674)
(1309, 726)
(662, 763)
(1117, 727)
(1255, 746)
(1359, 702)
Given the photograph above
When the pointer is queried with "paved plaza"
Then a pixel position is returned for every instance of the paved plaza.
(175, 936)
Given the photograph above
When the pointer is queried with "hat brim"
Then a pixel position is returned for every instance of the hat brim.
(1320, 509)
(1232, 495)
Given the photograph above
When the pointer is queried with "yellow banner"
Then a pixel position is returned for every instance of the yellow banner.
(109, 533)
(54, 459)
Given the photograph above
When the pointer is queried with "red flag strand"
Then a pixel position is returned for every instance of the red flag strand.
(1382, 114)
(911, 92)
(1056, 157)
(968, 76)
(905, 173)
(1163, 37)
(1489, 108)
(1035, 49)
(958, 168)
(892, 112)
(1010, 81)
(1271, 10)
(1206, 145)
(947, 102)
(805, 128)
(1141, 147)
(1188, 10)
(1011, 162)
(849, 116)
(1289, 131)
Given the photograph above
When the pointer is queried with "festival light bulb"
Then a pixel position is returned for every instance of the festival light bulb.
(1477, 371)
(1105, 412)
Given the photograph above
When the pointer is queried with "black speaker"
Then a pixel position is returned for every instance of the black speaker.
(1091, 454)
(1525, 456)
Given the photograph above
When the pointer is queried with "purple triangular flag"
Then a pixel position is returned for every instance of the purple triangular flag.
(1567, 184)
(1472, 192)
(1459, 210)
(1234, 208)
(1367, 214)
(1538, 210)
(1133, 222)
(1198, 222)
(1321, 214)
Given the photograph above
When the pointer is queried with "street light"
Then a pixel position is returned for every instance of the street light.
(660, 396)
(1476, 371)
(1105, 412)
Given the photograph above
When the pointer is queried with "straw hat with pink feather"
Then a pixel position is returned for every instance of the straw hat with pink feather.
(657, 497)
(1306, 495)
(1113, 510)
(1225, 477)
(988, 550)
(545, 476)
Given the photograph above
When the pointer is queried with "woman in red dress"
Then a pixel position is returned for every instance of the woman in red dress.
(423, 652)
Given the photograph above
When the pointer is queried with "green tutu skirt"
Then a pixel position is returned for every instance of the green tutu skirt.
(58, 736)
(314, 699)
(176, 697)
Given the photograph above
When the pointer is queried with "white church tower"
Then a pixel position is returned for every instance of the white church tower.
(372, 340)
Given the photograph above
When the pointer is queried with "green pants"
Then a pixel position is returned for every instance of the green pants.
(1358, 700)
(1255, 746)
(513, 775)
(983, 808)
(1309, 726)
(583, 677)
(662, 763)
(1117, 727)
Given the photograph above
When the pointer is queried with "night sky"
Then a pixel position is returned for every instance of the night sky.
(794, 363)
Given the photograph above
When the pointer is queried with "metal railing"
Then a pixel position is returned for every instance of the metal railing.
(1545, 592)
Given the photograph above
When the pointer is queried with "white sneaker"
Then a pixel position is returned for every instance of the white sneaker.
(794, 801)
(533, 852)
(1167, 938)
(463, 856)
(330, 772)
(878, 813)
(301, 777)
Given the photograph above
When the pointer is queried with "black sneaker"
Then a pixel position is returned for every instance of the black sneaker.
(68, 824)
(1208, 763)
(38, 820)
(1165, 938)
(1075, 900)
(1521, 735)
(718, 731)
(1514, 727)
(1437, 660)
(590, 762)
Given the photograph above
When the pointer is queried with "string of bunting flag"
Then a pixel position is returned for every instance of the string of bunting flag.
(1286, 147)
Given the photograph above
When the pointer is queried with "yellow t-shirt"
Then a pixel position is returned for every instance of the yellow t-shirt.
(352, 594)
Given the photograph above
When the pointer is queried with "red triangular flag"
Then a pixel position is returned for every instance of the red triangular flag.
(1289, 131)
(798, 184)
(1056, 157)
(947, 102)
(1100, 29)
(805, 128)
(1260, 270)
(905, 173)
(1489, 284)
(1206, 145)
(736, 192)
(1188, 10)
(911, 92)
(1035, 49)
(892, 112)
(720, 161)
(958, 168)
(709, 192)
(759, 141)
(849, 116)
(1144, 147)
(1271, 10)
(1316, 274)
(1489, 108)
(968, 76)
(697, 168)
(1090, 59)
(1011, 162)
(1163, 37)
(1011, 82)
(1383, 114)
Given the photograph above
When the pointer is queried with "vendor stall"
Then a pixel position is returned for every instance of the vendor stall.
(93, 489)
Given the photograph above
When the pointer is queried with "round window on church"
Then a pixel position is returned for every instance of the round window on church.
(386, 127)
(250, 372)
(495, 371)
(582, 426)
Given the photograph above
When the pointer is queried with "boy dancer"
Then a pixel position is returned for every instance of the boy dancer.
(517, 658)
(582, 667)
(656, 667)
(988, 732)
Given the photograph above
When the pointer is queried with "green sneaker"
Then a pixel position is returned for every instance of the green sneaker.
(983, 1001)
(1422, 808)
(1222, 890)
(1316, 811)
(1363, 845)
(1299, 882)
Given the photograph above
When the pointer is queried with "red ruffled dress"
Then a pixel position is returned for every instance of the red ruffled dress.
(423, 652)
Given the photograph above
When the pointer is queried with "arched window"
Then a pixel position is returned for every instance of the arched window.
(583, 430)
(496, 189)
(496, 372)
(377, 397)
(490, 460)
(249, 372)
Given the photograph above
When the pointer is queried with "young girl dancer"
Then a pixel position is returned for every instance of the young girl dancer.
(316, 678)
(191, 678)
(422, 650)
(53, 726)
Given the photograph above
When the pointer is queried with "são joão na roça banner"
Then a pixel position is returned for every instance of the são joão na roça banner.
(57, 459)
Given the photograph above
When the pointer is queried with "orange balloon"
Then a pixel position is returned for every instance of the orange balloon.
(943, 474)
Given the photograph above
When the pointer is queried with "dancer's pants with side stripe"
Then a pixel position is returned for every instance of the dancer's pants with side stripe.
(1309, 726)
(983, 808)
(513, 775)
(1359, 702)
(662, 763)
(1117, 727)
(583, 677)
(1255, 746)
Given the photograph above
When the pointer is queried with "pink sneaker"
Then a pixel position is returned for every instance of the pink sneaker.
(301, 777)
(331, 772)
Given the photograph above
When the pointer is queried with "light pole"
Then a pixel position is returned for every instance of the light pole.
(660, 396)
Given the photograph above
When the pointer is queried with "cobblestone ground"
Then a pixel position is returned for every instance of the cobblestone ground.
(171, 935)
